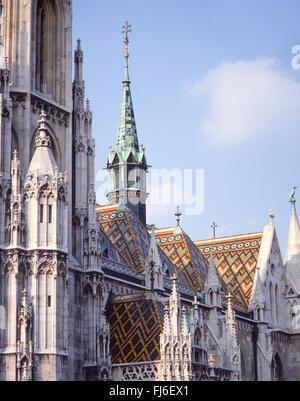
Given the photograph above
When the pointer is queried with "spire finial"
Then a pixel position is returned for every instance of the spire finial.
(272, 216)
(127, 30)
(78, 44)
(292, 195)
(178, 215)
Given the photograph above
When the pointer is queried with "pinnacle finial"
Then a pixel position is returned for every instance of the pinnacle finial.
(78, 44)
(292, 195)
(272, 216)
(127, 30)
(15, 154)
(43, 139)
(178, 215)
(43, 118)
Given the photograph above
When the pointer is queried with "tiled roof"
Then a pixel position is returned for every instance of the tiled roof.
(235, 258)
(117, 228)
(135, 327)
(182, 252)
(130, 239)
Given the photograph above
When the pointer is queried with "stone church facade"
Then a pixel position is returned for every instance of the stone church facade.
(90, 292)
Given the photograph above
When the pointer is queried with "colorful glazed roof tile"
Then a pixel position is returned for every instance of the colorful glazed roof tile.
(130, 239)
(135, 326)
(182, 252)
(235, 259)
(116, 226)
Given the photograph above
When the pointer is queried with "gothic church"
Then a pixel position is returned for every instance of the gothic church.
(93, 293)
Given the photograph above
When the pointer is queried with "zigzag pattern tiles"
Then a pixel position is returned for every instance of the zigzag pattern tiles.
(118, 230)
(236, 262)
(177, 251)
(135, 327)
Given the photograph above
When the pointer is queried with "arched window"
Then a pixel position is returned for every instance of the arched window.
(89, 330)
(14, 142)
(21, 282)
(49, 75)
(258, 315)
(210, 297)
(277, 303)
(61, 307)
(243, 367)
(197, 351)
(197, 337)
(277, 369)
(7, 216)
(271, 301)
(76, 237)
(10, 305)
(40, 45)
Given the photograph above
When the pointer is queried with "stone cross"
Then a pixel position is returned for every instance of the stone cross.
(214, 226)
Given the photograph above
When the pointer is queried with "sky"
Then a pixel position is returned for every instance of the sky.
(215, 88)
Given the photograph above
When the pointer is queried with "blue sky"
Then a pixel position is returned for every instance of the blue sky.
(213, 89)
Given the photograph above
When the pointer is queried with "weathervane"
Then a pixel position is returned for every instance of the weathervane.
(214, 226)
(292, 195)
(127, 30)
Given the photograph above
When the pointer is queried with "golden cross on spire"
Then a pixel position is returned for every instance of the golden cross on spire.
(127, 30)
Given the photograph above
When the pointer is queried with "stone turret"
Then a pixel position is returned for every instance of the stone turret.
(175, 341)
(45, 192)
(85, 244)
(17, 225)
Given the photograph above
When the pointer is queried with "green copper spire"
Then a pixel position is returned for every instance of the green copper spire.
(127, 164)
(127, 140)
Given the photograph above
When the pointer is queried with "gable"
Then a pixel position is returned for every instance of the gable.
(188, 261)
(235, 259)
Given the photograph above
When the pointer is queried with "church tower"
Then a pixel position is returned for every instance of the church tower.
(51, 282)
(35, 195)
(127, 165)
